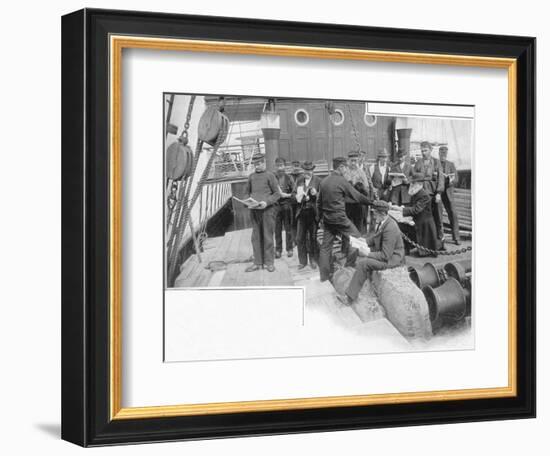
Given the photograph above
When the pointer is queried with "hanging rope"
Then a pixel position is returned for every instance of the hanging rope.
(354, 130)
(188, 203)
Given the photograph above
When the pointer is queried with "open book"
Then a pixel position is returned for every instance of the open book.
(359, 243)
(251, 203)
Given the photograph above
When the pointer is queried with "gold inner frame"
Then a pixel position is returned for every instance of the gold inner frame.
(117, 44)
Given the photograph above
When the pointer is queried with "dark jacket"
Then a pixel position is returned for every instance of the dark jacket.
(448, 167)
(433, 176)
(315, 182)
(263, 186)
(421, 211)
(387, 243)
(286, 184)
(379, 181)
(331, 202)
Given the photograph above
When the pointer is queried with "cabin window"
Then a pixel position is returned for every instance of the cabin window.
(338, 117)
(370, 120)
(301, 117)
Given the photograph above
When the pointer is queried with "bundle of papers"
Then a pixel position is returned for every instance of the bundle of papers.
(251, 203)
(401, 175)
(360, 244)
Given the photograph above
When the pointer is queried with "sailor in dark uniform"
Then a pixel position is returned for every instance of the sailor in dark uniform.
(284, 216)
(263, 187)
(306, 189)
(333, 192)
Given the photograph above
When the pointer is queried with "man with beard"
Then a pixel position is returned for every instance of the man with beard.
(284, 216)
(421, 211)
(263, 187)
(333, 193)
(306, 190)
(433, 183)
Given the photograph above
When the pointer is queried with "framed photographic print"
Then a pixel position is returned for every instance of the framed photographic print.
(278, 227)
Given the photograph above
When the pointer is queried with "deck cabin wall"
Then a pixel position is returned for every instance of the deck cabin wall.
(322, 138)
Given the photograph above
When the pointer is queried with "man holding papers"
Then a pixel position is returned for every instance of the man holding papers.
(263, 187)
(387, 250)
(400, 174)
(305, 194)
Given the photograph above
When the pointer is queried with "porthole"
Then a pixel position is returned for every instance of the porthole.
(370, 119)
(301, 117)
(338, 117)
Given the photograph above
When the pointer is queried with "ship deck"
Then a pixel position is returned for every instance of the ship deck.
(224, 259)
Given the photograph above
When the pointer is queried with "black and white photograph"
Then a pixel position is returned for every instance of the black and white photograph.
(355, 216)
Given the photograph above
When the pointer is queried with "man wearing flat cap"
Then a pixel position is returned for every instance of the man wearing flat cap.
(450, 177)
(387, 251)
(262, 185)
(305, 194)
(331, 205)
(421, 211)
(283, 217)
(430, 169)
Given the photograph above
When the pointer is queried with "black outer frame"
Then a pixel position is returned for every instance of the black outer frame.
(85, 227)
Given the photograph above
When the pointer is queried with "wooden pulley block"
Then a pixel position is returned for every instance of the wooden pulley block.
(213, 124)
(179, 160)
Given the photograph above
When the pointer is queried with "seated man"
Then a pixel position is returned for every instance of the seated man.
(387, 251)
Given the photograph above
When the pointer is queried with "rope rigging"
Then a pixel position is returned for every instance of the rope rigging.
(185, 201)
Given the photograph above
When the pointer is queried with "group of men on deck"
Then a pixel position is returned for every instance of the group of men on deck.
(352, 200)
(287, 202)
